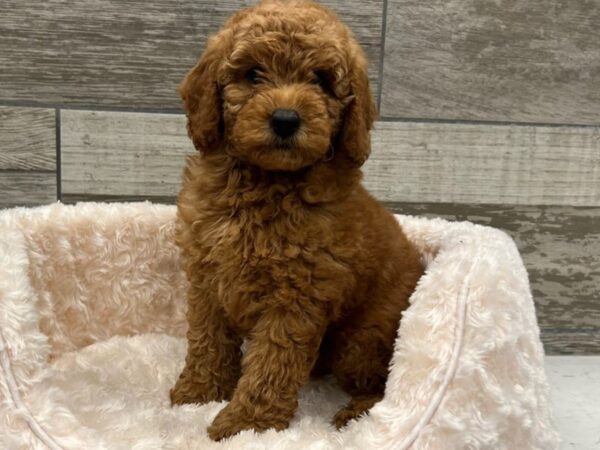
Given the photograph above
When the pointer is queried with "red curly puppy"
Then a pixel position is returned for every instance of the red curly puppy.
(281, 243)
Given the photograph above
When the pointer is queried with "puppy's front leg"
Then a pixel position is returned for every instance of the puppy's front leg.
(212, 364)
(282, 350)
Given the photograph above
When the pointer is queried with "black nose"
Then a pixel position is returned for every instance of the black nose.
(285, 122)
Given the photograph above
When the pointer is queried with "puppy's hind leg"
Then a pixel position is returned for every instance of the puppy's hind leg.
(357, 407)
(360, 366)
(360, 357)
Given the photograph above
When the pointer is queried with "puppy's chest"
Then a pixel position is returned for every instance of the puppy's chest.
(239, 250)
(233, 246)
(253, 262)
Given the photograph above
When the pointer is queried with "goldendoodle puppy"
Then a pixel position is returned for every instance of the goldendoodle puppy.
(281, 243)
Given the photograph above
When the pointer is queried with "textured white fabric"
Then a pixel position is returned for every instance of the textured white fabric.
(92, 319)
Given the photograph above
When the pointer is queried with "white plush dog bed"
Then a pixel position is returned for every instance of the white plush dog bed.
(92, 319)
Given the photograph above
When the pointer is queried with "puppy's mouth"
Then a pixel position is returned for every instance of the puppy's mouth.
(286, 144)
(275, 154)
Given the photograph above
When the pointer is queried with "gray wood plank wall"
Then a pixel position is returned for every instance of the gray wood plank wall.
(506, 60)
(27, 156)
(490, 112)
(125, 54)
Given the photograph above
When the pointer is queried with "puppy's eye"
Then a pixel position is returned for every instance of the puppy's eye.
(253, 75)
(323, 79)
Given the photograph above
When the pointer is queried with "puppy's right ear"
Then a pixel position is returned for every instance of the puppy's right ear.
(201, 94)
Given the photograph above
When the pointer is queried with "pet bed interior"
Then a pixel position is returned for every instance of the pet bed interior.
(92, 325)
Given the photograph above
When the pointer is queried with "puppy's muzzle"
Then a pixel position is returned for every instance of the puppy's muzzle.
(285, 122)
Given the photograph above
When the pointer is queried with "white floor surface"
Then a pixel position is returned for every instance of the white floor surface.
(575, 382)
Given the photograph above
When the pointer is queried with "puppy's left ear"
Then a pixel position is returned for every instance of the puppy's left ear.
(354, 138)
(201, 94)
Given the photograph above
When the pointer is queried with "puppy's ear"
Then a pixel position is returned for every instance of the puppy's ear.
(201, 94)
(354, 138)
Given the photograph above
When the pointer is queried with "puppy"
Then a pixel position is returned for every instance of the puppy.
(280, 242)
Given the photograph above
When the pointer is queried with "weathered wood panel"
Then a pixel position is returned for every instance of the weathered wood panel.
(501, 60)
(571, 343)
(27, 156)
(125, 154)
(27, 188)
(501, 164)
(560, 246)
(27, 139)
(126, 54)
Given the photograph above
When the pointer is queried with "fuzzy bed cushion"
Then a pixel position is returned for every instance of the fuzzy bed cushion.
(92, 319)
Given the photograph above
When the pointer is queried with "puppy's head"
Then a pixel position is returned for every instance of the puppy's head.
(284, 85)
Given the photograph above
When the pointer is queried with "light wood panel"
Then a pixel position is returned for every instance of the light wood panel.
(126, 54)
(27, 156)
(501, 164)
(414, 162)
(122, 154)
(501, 60)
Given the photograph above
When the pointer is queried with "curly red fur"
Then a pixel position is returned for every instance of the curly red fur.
(280, 242)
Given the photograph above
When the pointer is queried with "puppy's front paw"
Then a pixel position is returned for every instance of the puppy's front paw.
(231, 420)
(187, 391)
